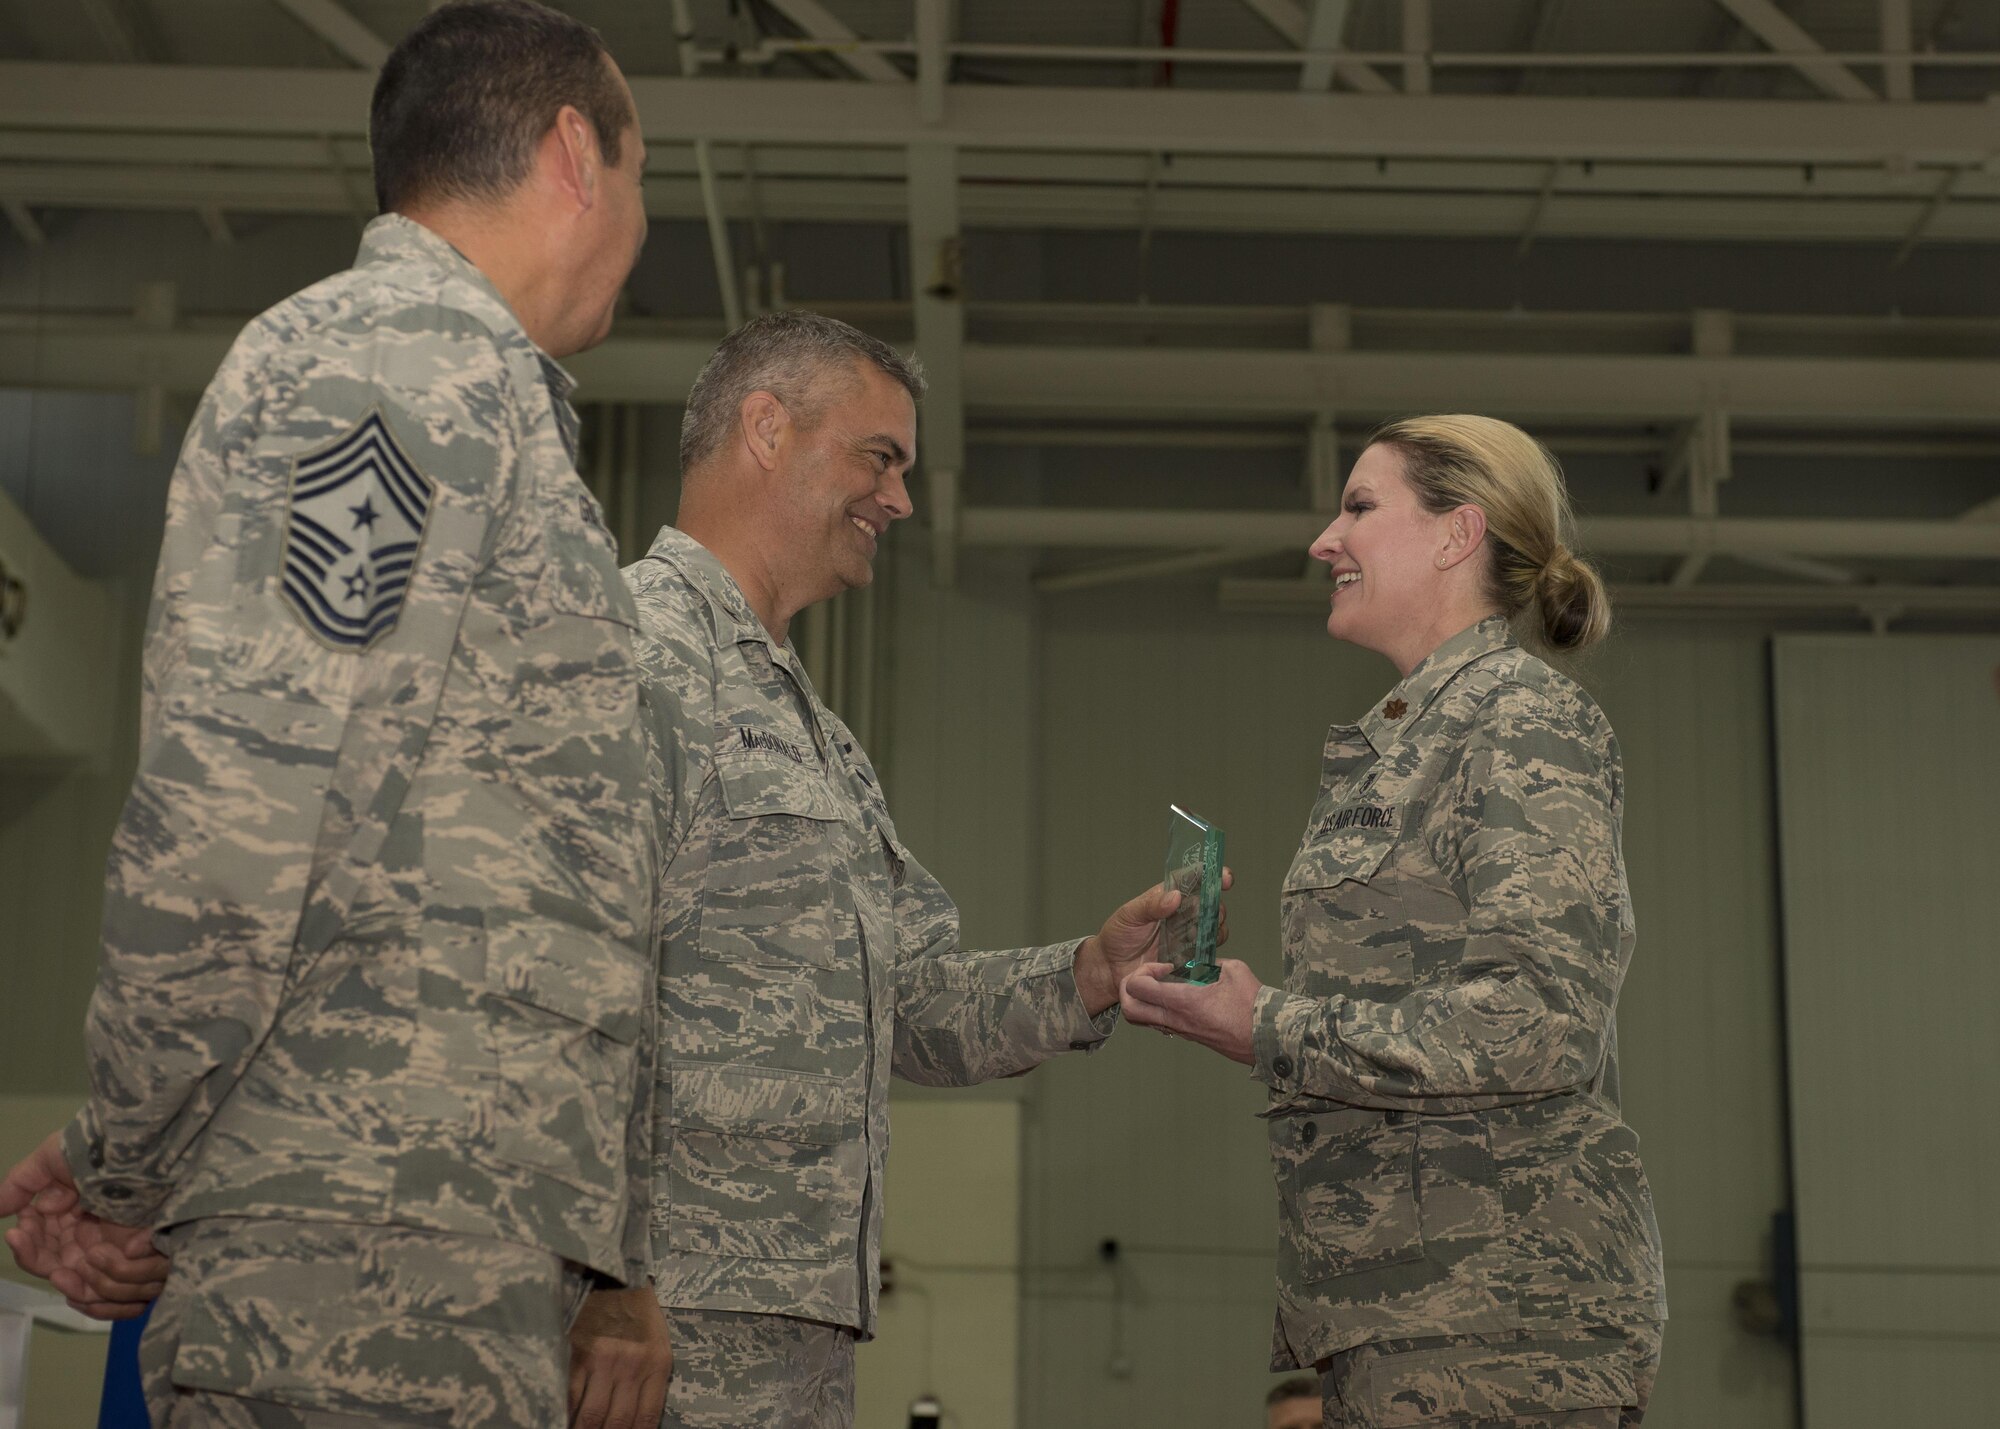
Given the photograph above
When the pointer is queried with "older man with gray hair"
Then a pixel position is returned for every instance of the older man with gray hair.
(805, 953)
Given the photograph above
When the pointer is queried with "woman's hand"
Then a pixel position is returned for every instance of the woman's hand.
(1220, 1016)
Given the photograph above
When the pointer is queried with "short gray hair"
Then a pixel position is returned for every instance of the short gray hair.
(789, 354)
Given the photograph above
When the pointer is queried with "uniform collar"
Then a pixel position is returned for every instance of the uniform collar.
(705, 569)
(392, 238)
(1384, 724)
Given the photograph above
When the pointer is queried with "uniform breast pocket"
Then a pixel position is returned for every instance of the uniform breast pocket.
(1344, 929)
(1347, 1190)
(764, 1163)
(768, 897)
(564, 1009)
(1340, 855)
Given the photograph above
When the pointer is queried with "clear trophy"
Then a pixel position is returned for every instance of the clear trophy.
(1194, 867)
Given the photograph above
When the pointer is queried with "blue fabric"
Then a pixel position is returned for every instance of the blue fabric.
(123, 1406)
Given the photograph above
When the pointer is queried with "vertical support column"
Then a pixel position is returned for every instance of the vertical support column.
(156, 310)
(1416, 46)
(1899, 77)
(1713, 332)
(1704, 452)
(1330, 328)
(933, 58)
(937, 293)
(1323, 475)
(1708, 468)
(632, 542)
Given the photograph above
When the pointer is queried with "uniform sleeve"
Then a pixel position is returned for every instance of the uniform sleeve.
(1531, 849)
(676, 689)
(675, 684)
(325, 526)
(965, 1017)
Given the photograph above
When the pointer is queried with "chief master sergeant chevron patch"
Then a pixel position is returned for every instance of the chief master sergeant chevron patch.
(352, 535)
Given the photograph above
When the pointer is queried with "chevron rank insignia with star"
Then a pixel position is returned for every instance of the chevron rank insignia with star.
(358, 507)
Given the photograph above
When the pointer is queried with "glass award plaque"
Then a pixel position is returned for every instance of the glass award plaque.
(1194, 868)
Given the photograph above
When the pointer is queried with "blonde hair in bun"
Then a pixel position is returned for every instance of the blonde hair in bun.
(1459, 459)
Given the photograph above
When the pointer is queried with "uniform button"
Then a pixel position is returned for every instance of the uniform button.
(1282, 1066)
(115, 1192)
(1307, 1133)
(1397, 1118)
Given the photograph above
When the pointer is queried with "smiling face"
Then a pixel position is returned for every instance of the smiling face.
(847, 480)
(1382, 555)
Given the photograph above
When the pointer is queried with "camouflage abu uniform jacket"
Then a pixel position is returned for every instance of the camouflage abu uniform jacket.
(805, 954)
(1443, 1057)
(376, 944)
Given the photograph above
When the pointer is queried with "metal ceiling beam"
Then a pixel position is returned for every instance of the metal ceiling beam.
(333, 24)
(1782, 33)
(1126, 569)
(1325, 33)
(1185, 383)
(1130, 529)
(1287, 17)
(78, 152)
(820, 23)
(1183, 121)
(1191, 382)
(1872, 602)
(21, 219)
(1023, 203)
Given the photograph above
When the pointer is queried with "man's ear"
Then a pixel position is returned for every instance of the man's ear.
(765, 427)
(572, 158)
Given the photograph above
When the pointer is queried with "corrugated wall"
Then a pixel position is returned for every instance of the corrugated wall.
(1891, 837)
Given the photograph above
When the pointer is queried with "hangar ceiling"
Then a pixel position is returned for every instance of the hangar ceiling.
(1863, 135)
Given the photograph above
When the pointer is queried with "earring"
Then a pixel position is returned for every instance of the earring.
(1440, 562)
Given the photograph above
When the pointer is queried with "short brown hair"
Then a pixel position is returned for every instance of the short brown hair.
(796, 356)
(466, 96)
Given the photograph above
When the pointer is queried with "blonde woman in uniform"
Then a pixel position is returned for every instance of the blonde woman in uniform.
(1467, 1237)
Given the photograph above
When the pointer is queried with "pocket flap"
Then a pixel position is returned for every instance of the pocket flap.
(766, 1102)
(761, 781)
(1341, 854)
(591, 978)
(1491, 1382)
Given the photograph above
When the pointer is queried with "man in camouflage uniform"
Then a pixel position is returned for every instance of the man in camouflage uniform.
(806, 954)
(371, 1039)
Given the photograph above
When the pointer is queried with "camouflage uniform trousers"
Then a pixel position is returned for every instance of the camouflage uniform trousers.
(321, 1325)
(1549, 1379)
(766, 1371)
